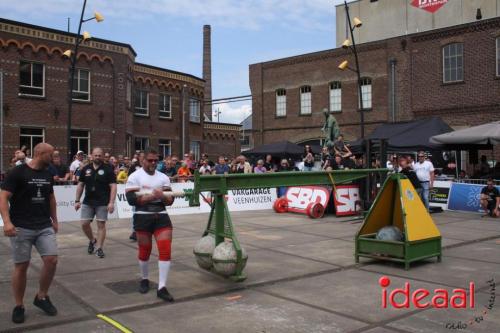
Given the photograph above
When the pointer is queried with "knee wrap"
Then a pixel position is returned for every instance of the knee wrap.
(164, 249)
(144, 251)
(164, 243)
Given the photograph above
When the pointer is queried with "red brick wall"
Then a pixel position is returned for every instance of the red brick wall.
(108, 116)
(419, 89)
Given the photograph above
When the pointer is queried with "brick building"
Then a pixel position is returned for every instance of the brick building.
(118, 104)
(452, 72)
(220, 139)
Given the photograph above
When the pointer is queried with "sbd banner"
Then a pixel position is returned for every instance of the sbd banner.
(299, 197)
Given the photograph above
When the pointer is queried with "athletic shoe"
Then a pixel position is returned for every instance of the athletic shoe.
(46, 305)
(164, 295)
(91, 247)
(144, 286)
(99, 253)
(18, 314)
(133, 236)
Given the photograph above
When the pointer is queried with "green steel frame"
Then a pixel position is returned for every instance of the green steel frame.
(219, 221)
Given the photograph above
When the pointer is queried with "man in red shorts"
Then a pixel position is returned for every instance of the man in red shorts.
(151, 218)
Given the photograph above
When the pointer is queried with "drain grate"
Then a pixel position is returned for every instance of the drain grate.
(128, 287)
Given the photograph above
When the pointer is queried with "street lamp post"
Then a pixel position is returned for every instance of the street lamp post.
(344, 65)
(73, 55)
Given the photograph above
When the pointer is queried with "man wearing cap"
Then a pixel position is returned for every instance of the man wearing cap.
(77, 162)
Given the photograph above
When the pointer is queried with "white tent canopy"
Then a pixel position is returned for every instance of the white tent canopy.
(480, 135)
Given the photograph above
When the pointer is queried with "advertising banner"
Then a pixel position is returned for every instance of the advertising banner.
(345, 200)
(300, 197)
(466, 197)
(237, 200)
(439, 194)
(431, 6)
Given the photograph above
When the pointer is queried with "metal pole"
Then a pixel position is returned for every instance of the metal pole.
(72, 77)
(355, 51)
(183, 148)
(1, 123)
(392, 63)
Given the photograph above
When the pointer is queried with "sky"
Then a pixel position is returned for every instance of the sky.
(169, 33)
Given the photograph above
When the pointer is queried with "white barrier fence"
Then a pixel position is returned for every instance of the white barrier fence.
(237, 200)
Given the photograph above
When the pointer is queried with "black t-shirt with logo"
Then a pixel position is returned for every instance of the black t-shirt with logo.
(29, 203)
(493, 193)
(97, 181)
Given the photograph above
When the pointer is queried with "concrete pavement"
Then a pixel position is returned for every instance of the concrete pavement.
(301, 278)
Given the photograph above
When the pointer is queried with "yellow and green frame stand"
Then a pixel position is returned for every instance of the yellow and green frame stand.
(398, 204)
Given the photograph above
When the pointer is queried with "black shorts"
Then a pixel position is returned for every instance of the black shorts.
(491, 205)
(151, 222)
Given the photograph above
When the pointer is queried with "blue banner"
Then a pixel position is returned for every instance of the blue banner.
(466, 197)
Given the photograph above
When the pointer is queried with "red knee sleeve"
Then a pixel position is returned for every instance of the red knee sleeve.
(164, 243)
(164, 249)
(144, 251)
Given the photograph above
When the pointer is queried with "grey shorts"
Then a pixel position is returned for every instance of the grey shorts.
(44, 241)
(99, 212)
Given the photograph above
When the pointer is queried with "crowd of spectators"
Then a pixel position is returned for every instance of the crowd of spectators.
(179, 169)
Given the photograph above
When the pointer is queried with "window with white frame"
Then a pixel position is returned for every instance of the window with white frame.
(498, 56)
(194, 110)
(31, 78)
(30, 137)
(305, 100)
(81, 85)
(165, 106)
(366, 92)
(141, 102)
(280, 103)
(80, 140)
(453, 62)
(195, 148)
(141, 143)
(165, 147)
(335, 96)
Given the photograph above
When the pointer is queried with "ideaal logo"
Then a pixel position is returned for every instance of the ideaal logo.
(439, 299)
(422, 298)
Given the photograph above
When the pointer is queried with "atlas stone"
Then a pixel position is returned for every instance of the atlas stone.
(390, 233)
(203, 251)
(224, 259)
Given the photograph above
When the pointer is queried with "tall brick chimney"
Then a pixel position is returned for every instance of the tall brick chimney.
(207, 69)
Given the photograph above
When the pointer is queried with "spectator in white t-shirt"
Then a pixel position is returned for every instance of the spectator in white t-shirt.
(425, 174)
(77, 162)
(205, 168)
